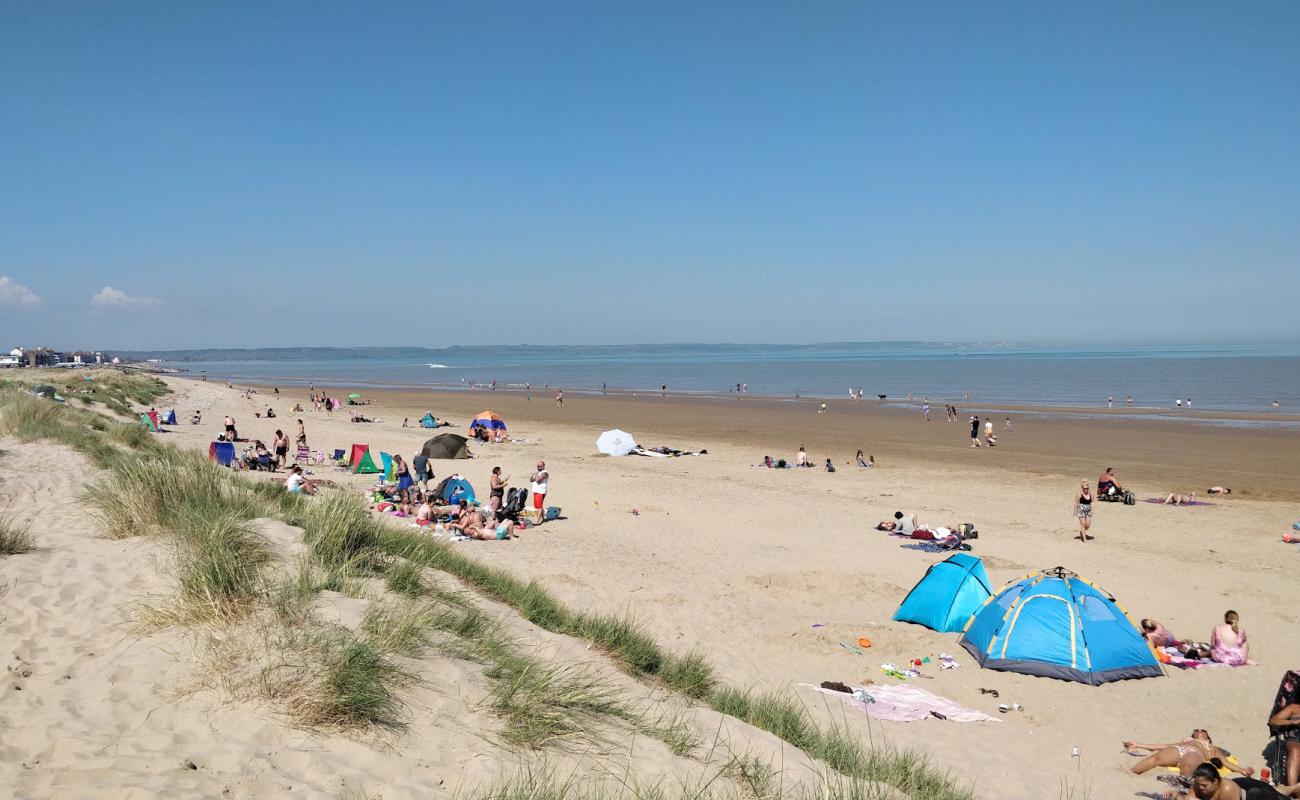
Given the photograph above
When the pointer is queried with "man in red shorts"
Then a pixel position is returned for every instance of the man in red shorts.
(540, 480)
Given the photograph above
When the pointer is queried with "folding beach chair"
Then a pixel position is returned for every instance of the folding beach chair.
(304, 454)
(319, 458)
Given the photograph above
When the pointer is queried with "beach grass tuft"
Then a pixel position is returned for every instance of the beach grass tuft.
(358, 685)
(15, 535)
(220, 564)
(405, 578)
(542, 703)
(619, 636)
(691, 674)
(339, 530)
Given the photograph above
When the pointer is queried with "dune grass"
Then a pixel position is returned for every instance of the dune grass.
(150, 493)
(220, 565)
(356, 684)
(15, 534)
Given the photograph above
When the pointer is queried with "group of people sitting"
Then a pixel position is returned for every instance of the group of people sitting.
(498, 435)
(1227, 645)
(801, 460)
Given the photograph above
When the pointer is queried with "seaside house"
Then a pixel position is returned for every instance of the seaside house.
(80, 357)
(43, 357)
(13, 359)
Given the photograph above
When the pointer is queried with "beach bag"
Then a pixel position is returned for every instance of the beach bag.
(1129, 498)
(552, 512)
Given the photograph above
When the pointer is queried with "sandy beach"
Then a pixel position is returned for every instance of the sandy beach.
(766, 571)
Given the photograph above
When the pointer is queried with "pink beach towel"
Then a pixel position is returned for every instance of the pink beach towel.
(1177, 660)
(906, 703)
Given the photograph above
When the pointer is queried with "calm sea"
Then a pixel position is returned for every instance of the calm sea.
(1236, 378)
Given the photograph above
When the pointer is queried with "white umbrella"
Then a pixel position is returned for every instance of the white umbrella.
(615, 442)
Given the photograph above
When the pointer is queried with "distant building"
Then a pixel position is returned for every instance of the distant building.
(43, 357)
(14, 359)
(86, 358)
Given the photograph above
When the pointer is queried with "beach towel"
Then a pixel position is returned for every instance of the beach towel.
(946, 546)
(1176, 659)
(906, 703)
(1160, 501)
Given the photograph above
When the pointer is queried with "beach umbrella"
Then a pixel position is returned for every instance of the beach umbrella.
(354, 396)
(447, 445)
(615, 443)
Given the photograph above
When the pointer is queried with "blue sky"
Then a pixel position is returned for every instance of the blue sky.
(189, 175)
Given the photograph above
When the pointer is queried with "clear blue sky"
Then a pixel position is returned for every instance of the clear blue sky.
(475, 173)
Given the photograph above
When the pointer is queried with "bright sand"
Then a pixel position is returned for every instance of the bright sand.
(741, 562)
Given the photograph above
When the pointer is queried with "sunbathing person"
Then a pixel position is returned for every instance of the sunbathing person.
(297, 484)
(1228, 643)
(1158, 635)
(1184, 755)
(469, 522)
(1107, 484)
(1218, 490)
(1207, 784)
(1180, 499)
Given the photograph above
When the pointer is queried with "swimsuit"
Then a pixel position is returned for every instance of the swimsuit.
(1085, 507)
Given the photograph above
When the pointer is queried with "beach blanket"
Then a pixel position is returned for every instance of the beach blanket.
(1177, 660)
(906, 703)
(1160, 501)
(946, 546)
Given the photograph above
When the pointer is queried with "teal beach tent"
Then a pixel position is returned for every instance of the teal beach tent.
(949, 593)
(427, 421)
(1057, 625)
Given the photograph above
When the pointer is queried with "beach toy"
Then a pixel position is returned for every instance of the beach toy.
(864, 642)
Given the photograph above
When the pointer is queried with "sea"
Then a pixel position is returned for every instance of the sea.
(1237, 378)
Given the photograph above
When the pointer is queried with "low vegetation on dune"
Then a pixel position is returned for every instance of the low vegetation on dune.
(265, 641)
(15, 534)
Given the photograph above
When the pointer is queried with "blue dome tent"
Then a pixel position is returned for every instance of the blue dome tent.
(1056, 625)
(947, 595)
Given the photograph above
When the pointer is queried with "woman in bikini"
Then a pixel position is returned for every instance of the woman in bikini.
(1184, 755)
(1083, 511)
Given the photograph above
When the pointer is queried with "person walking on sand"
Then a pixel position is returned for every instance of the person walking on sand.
(559, 397)
(925, 408)
(232, 435)
(281, 448)
(974, 431)
(988, 428)
(302, 435)
(1008, 425)
(1083, 511)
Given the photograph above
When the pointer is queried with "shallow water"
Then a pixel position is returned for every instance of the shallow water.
(1228, 378)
